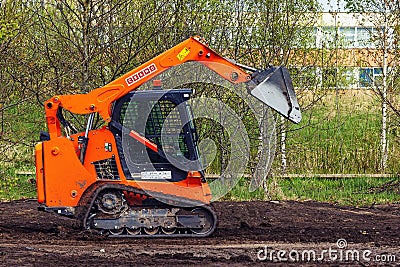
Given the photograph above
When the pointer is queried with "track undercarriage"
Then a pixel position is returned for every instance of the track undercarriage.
(131, 213)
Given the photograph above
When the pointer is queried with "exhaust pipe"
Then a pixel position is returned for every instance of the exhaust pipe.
(274, 88)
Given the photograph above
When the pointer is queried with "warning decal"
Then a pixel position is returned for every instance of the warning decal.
(181, 56)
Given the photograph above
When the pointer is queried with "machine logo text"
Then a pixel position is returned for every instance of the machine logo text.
(140, 74)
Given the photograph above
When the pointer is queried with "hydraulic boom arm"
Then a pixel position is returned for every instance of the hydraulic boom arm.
(193, 49)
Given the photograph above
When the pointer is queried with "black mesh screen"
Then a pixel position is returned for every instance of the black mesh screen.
(133, 117)
(106, 169)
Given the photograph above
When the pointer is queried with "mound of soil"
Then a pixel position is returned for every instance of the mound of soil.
(249, 233)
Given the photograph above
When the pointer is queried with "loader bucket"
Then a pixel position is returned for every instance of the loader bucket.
(274, 88)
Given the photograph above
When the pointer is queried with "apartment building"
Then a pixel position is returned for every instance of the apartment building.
(347, 50)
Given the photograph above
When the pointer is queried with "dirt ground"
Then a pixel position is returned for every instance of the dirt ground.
(248, 234)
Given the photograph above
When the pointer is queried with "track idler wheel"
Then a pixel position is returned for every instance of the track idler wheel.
(209, 221)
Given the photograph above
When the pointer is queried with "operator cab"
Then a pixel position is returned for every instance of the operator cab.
(164, 118)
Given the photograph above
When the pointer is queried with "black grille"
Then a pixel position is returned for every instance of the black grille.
(132, 118)
(106, 169)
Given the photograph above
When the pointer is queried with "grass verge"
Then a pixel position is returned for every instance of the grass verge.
(14, 186)
(342, 191)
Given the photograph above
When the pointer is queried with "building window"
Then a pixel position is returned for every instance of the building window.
(329, 77)
(305, 77)
(350, 78)
(370, 77)
(349, 36)
(328, 38)
(364, 38)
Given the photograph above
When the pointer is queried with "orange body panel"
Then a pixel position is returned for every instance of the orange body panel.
(65, 177)
(39, 173)
(96, 148)
(68, 178)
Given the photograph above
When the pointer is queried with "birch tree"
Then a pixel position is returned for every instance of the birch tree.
(384, 15)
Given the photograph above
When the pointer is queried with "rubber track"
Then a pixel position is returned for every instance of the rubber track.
(91, 194)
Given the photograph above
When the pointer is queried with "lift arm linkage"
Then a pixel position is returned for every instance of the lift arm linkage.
(100, 100)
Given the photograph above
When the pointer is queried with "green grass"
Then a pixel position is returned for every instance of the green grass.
(341, 138)
(342, 191)
(241, 192)
(17, 187)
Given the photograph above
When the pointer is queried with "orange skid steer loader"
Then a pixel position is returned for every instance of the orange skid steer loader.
(117, 179)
